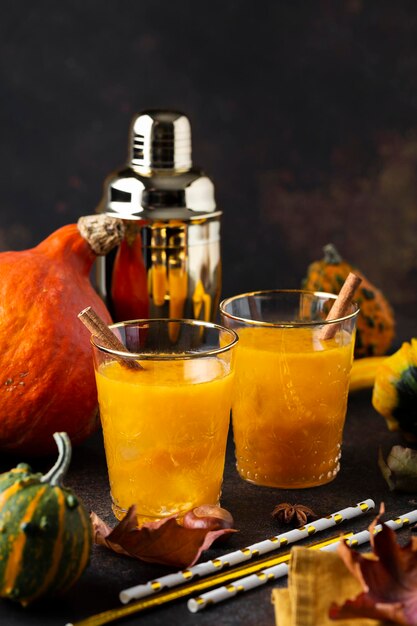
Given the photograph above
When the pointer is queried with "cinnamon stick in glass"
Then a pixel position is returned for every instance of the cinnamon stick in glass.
(341, 305)
(107, 339)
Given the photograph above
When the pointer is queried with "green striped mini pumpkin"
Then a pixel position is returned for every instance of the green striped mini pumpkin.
(45, 531)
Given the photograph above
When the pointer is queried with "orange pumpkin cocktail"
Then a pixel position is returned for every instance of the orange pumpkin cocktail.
(165, 426)
(291, 386)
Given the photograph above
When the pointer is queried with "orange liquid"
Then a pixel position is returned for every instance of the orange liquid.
(290, 405)
(165, 431)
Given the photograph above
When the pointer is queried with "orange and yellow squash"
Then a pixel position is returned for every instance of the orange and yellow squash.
(375, 322)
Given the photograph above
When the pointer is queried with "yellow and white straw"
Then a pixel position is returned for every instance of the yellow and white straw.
(247, 583)
(245, 554)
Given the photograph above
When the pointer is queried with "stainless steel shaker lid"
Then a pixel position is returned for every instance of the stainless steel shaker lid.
(159, 181)
(161, 140)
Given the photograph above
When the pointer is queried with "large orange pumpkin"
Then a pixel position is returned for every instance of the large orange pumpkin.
(46, 372)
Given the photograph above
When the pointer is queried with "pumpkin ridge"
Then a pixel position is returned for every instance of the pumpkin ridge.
(11, 499)
(10, 491)
(14, 562)
(67, 243)
(86, 548)
(73, 547)
(87, 540)
(41, 532)
(56, 551)
(10, 478)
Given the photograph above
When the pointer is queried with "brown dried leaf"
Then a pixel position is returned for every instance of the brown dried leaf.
(165, 541)
(388, 577)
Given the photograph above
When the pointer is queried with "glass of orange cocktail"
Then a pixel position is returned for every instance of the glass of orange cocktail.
(291, 386)
(165, 424)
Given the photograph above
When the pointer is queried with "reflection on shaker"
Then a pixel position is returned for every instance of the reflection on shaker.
(129, 278)
(201, 302)
(158, 269)
(159, 283)
(178, 283)
(178, 291)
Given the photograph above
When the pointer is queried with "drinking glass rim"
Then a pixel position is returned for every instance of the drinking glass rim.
(286, 324)
(169, 356)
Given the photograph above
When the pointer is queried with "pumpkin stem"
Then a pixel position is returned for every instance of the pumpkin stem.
(102, 232)
(331, 255)
(58, 471)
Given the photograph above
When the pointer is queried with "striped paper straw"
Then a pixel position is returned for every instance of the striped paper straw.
(247, 583)
(245, 554)
(195, 586)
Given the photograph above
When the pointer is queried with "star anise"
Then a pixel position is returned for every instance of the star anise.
(296, 514)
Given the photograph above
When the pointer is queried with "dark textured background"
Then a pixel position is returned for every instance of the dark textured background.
(305, 115)
(303, 112)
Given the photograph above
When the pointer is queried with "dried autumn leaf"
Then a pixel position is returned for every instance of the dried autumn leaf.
(400, 469)
(165, 541)
(388, 577)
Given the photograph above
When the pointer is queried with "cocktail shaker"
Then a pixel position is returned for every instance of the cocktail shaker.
(169, 264)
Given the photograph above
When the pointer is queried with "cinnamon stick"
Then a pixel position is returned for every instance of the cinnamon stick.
(99, 329)
(341, 305)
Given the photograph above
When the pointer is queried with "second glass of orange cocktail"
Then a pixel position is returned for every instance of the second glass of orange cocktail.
(291, 386)
(165, 424)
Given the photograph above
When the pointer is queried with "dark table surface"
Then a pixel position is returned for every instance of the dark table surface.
(251, 507)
